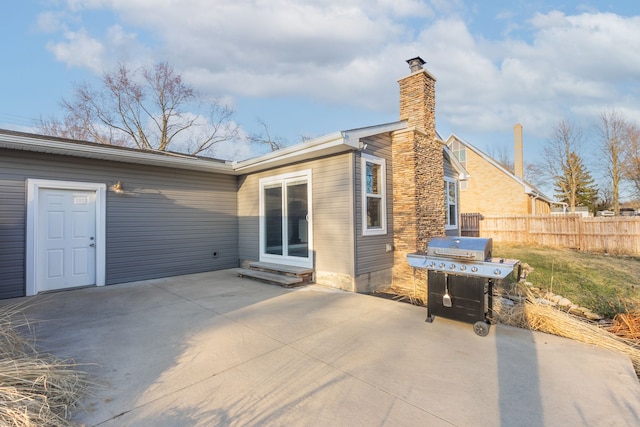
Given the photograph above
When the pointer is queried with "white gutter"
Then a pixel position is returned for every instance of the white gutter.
(286, 155)
(107, 152)
(334, 143)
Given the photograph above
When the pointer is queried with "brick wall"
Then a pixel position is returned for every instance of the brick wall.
(418, 174)
(491, 192)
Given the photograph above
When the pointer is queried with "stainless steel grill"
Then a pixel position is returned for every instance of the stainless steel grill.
(460, 279)
(467, 256)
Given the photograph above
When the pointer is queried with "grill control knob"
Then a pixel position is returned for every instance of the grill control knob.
(474, 269)
(463, 267)
(433, 264)
(452, 266)
(497, 271)
(443, 265)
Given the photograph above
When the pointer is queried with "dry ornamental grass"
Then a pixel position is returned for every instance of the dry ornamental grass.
(538, 316)
(627, 325)
(622, 337)
(35, 389)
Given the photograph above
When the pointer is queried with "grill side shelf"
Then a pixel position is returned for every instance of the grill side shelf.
(495, 269)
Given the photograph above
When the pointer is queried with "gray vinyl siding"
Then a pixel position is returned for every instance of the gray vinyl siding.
(248, 218)
(371, 254)
(12, 233)
(168, 221)
(332, 212)
(450, 172)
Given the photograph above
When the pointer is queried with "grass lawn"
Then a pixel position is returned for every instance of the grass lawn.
(605, 284)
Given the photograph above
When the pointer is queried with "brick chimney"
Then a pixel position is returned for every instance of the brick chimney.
(418, 171)
(518, 163)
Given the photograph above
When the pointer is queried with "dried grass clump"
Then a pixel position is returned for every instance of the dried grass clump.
(35, 389)
(414, 293)
(537, 316)
(626, 325)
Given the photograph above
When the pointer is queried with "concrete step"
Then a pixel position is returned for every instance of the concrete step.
(289, 269)
(273, 278)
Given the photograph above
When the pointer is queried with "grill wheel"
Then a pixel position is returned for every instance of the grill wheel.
(481, 328)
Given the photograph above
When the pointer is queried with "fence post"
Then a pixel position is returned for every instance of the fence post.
(580, 234)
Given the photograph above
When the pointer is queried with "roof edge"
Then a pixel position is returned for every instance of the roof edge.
(528, 188)
(332, 143)
(91, 150)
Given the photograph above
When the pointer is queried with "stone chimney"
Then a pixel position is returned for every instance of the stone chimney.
(418, 97)
(418, 172)
(518, 163)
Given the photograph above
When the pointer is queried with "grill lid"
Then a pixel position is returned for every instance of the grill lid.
(463, 248)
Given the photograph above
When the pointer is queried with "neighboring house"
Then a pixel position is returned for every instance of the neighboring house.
(491, 189)
(563, 209)
(349, 205)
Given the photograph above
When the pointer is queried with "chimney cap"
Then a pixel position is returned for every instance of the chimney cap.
(415, 64)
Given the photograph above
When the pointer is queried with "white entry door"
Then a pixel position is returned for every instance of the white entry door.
(66, 239)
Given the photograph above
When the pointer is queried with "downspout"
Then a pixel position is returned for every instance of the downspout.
(533, 203)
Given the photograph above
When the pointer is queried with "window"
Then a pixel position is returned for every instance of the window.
(451, 203)
(460, 151)
(374, 200)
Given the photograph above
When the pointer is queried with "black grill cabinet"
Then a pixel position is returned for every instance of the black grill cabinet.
(460, 279)
(471, 299)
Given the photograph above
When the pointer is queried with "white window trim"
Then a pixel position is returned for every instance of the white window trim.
(33, 187)
(363, 185)
(446, 192)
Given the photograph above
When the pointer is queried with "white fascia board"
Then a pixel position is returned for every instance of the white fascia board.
(333, 143)
(353, 136)
(327, 144)
(105, 152)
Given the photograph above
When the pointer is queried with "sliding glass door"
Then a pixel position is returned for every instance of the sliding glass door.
(285, 225)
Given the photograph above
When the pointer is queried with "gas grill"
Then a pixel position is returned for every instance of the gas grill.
(460, 279)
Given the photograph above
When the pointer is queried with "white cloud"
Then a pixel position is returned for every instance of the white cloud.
(351, 52)
(51, 22)
(79, 49)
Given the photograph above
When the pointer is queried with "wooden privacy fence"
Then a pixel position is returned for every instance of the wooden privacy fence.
(470, 224)
(614, 235)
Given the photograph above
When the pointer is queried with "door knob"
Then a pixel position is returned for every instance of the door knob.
(93, 245)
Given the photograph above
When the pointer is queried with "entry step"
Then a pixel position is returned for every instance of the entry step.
(274, 278)
(289, 269)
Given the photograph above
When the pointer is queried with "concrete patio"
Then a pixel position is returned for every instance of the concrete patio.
(213, 349)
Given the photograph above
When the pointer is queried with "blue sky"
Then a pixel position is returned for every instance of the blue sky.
(309, 68)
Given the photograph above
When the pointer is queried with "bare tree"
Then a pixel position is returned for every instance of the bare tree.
(632, 155)
(145, 108)
(68, 129)
(265, 138)
(564, 163)
(502, 155)
(535, 173)
(604, 199)
(612, 147)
